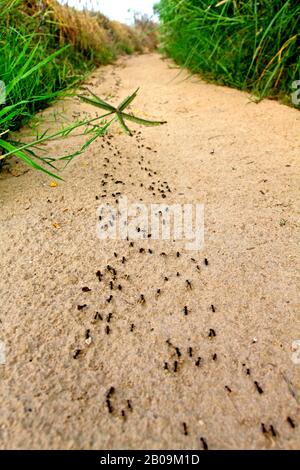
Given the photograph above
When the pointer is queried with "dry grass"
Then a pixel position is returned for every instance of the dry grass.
(92, 33)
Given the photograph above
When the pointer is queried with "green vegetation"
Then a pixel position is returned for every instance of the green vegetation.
(45, 49)
(248, 44)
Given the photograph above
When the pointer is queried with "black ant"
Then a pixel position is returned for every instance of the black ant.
(109, 299)
(291, 422)
(185, 430)
(197, 363)
(132, 327)
(119, 287)
(129, 405)
(107, 330)
(76, 353)
(87, 334)
(86, 289)
(80, 307)
(204, 443)
(213, 308)
(108, 403)
(142, 250)
(263, 428)
(123, 259)
(142, 299)
(228, 389)
(110, 392)
(214, 357)
(150, 251)
(163, 254)
(111, 285)
(177, 274)
(131, 244)
(206, 261)
(188, 284)
(166, 367)
(185, 310)
(98, 316)
(177, 254)
(166, 278)
(258, 387)
(178, 352)
(211, 333)
(175, 366)
(190, 351)
(109, 316)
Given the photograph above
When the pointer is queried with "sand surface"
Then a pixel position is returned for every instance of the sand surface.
(218, 148)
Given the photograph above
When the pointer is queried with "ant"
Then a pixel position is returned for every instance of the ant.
(204, 443)
(87, 334)
(142, 299)
(107, 330)
(166, 367)
(212, 333)
(108, 403)
(188, 284)
(109, 299)
(185, 430)
(214, 357)
(185, 310)
(80, 307)
(263, 428)
(213, 308)
(129, 405)
(98, 316)
(190, 351)
(77, 353)
(197, 363)
(206, 261)
(109, 316)
(132, 327)
(291, 422)
(258, 387)
(110, 392)
(228, 389)
(86, 289)
(178, 352)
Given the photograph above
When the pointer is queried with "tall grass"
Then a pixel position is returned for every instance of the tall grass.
(45, 49)
(248, 44)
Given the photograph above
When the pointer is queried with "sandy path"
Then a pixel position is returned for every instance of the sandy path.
(236, 157)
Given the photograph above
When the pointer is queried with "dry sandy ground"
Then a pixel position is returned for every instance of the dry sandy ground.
(219, 148)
